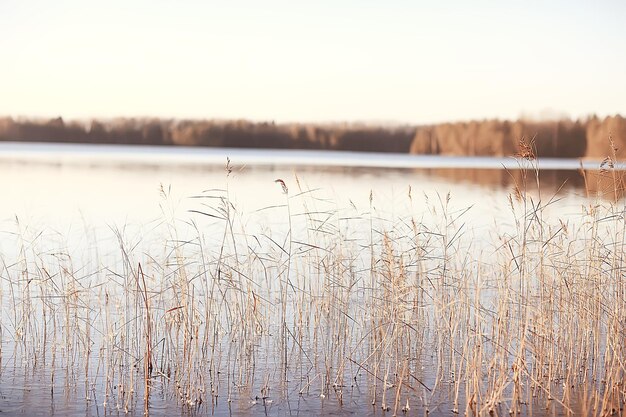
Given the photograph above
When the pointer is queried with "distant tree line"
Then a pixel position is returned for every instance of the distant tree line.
(563, 138)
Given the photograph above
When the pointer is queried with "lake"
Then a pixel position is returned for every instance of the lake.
(160, 281)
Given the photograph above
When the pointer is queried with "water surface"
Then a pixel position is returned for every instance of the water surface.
(370, 278)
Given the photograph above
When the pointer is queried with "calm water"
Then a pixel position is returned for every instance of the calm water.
(76, 221)
(112, 184)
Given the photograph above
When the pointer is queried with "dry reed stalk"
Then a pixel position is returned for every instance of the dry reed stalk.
(339, 299)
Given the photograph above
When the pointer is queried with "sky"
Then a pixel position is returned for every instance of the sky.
(316, 61)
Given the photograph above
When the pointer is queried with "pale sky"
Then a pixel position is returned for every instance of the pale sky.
(392, 61)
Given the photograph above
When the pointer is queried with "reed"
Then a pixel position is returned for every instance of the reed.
(310, 304)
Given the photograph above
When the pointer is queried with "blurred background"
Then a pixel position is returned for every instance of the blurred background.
(449, 78)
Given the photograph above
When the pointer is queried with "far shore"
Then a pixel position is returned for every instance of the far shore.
(591, 138)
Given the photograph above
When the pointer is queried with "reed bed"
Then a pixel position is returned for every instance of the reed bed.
(305, 305)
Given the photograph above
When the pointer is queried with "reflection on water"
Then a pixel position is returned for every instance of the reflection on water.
(607, 184)
(549, 180)
(199, 290)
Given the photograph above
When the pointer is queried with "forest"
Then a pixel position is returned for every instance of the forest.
(592, 137)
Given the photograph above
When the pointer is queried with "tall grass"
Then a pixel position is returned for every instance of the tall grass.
(342, 307)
